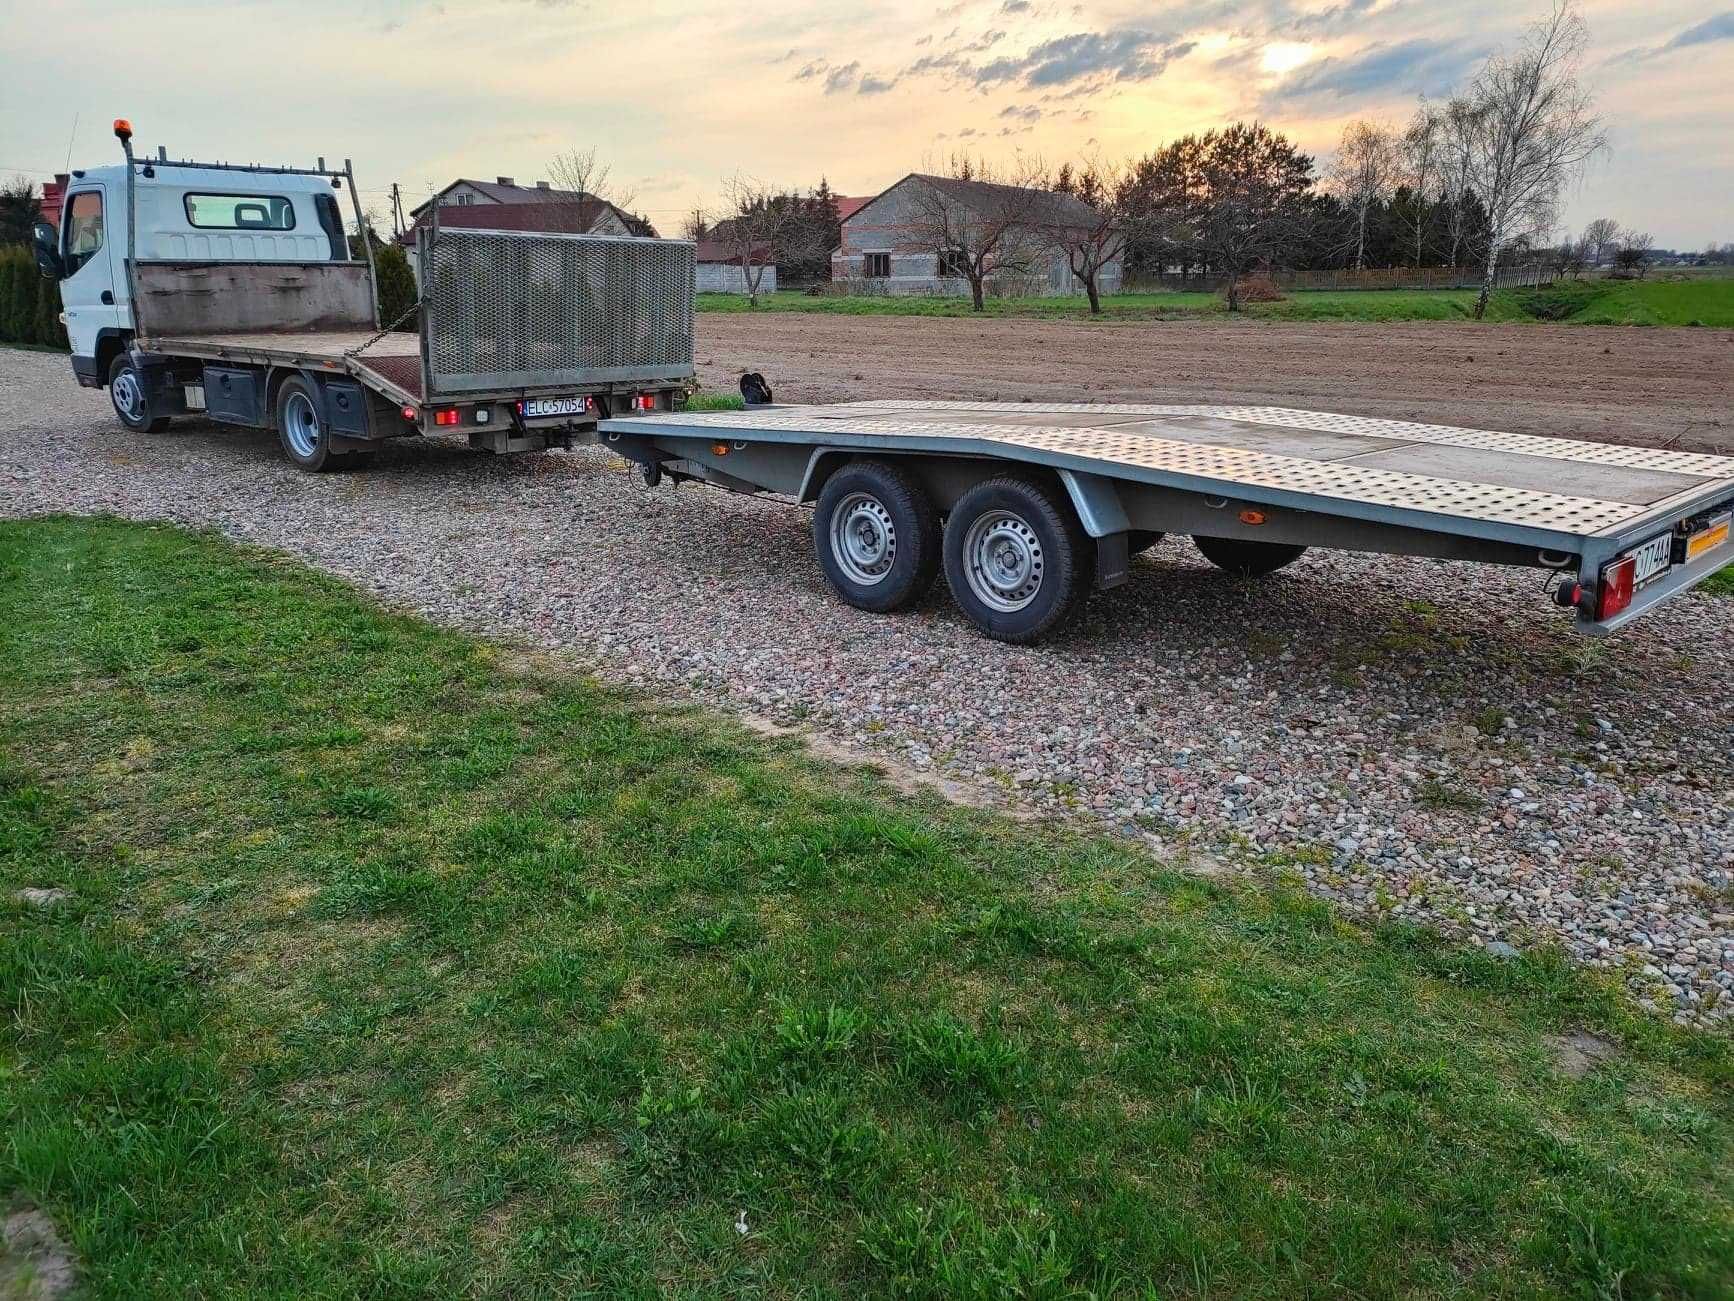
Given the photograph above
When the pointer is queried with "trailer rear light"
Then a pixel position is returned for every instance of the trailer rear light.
(409, 413)
(1614, 588)
(446, 416)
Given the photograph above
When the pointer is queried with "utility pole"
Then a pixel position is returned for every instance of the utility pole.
(397, 222)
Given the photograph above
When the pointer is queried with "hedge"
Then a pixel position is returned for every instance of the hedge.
(29, 304)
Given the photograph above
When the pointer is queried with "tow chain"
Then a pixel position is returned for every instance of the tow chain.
(408, 312)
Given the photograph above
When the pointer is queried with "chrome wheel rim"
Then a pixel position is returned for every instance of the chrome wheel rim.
(1004, 561)
(863, 539)
(301, 425)
(128, 396)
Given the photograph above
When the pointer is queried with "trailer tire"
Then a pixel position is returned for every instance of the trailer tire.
(1246, 559)
(131, 399)
(301, 429)
(877, 536)
(1016, 559)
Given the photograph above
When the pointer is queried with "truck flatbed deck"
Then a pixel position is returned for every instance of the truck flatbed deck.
(1268, 481)
(391, 364)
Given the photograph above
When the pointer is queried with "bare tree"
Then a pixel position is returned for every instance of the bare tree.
(1090, 232)
(1632, 253)
(980, 221)
(696, 226)
(1365, 170)
(1423, 160)
(585, 182)
(1248, 189)
(1531, 127)
(763, 225)
(1600, 238)
(1456, 137)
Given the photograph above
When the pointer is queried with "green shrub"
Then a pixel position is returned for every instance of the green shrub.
(396, 286)
(29, 304)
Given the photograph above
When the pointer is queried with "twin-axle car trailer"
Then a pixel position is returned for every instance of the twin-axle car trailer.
(238, 297)
(1027, 506)
(232, 292)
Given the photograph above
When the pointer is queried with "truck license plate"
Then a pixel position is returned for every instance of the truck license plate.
(534, 407)
(1654, 558)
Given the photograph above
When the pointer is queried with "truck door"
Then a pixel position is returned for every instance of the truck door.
(88, 290)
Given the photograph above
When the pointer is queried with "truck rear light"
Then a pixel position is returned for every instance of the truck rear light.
(645, 402)
(446, 416)
(1614, 588)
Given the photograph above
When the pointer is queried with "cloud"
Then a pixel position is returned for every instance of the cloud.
(1719, 28)
(1015, 7)
(871, 85)
(842, 78)
(1022, 112)
(1414, 67)
(811, 70)
(1325, 21)
(1092, 56)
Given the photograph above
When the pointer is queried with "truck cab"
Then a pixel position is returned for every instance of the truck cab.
(184, 214)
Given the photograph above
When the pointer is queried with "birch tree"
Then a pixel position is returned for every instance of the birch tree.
(1423, 152)
(1529, 128)
(1363, 173)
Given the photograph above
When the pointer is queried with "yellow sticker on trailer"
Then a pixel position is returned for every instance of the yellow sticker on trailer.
(1707, 539)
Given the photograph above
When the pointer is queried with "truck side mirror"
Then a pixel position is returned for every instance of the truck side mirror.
(47, 246)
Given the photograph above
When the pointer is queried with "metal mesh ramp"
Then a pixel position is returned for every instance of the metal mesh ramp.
(512, 310)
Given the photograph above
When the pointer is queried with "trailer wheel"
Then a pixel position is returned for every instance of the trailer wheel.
(1248, 559)
(877, 536)
(1016, 559)
(301, 430)
(132, 404)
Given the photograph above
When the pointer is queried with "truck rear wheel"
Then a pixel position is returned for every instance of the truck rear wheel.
(1248, 559)
(301, 428)
(1016, 559)
(132, 404)
(877, 536)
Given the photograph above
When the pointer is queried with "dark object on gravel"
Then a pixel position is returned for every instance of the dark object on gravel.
(754, 391)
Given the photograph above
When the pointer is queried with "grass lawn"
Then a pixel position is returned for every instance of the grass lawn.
(1704, 300)
(395, 964)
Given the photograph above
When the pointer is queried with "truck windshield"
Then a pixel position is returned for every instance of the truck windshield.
(240, 211)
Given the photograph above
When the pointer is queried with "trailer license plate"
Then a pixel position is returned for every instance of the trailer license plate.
(1654, 558)
(534, 407)
(1713, 535)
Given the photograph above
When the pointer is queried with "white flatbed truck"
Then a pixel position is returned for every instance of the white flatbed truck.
(231, 292)
(1027, 506)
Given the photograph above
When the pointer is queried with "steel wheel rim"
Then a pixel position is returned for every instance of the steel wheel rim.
(128, 396)
(301, 425)
(863, 539)
(1003, 560)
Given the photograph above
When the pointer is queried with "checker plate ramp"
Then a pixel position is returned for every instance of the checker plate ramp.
(1554, 485)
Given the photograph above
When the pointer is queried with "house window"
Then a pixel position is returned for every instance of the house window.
(953, 265)
(876, 266)
(464, 200)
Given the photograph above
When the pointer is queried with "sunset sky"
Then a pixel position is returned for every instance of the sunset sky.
(680, 96)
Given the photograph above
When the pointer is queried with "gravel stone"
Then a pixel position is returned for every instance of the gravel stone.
(1324, 723)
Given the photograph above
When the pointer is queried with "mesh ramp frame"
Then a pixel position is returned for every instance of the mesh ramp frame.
(508, 310)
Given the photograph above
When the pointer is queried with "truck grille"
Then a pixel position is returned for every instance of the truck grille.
(521, 311)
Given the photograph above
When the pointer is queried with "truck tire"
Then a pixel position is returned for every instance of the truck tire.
(301, 429)
(132, 404)
(877, 536)
(1248, 559)
(1016, 559)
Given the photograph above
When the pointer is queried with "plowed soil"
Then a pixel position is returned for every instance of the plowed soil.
(1672, 387)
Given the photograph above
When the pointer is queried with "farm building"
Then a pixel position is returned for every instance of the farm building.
(896, 242)
(576, 213)
(719, 269)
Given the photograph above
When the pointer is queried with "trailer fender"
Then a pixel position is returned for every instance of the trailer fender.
(1097, 502)
(821, 465)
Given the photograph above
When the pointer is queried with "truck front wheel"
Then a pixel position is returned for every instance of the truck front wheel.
(1016, 559)
(877, 536)
(132, 404)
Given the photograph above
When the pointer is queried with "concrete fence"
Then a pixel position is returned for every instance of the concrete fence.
(1513, 277)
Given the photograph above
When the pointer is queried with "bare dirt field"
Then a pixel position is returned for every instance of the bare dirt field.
(1608, 383)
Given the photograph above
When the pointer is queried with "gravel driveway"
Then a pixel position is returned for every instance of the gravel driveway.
(1411, 737)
